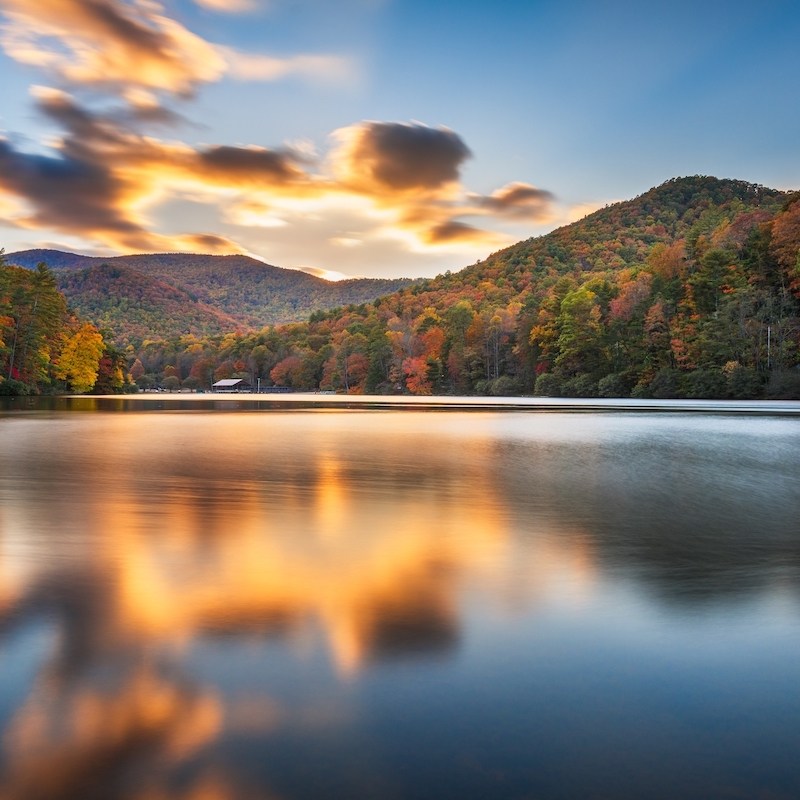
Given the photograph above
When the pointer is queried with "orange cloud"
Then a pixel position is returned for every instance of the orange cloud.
(452, 230)
(102, 42)
(103, 179)
(400, 181)
(119, 45)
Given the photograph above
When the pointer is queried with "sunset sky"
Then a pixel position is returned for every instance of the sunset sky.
(375, 137)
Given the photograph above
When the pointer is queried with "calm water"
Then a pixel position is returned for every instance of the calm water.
(398, 604)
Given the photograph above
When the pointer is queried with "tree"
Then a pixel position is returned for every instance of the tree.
(33, 314)
(137, 369)
(288, 372)
(579, 340)
(785, 244)
(110, 372)
(80, 357)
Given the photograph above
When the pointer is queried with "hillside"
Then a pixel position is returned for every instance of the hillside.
(165, 295)
(691, 289)
(134, 307)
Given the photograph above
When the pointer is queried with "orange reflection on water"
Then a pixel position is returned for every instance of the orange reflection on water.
(63, 741)
(179, 527)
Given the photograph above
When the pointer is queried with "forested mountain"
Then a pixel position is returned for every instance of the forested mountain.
(690, 290)
(169, 294)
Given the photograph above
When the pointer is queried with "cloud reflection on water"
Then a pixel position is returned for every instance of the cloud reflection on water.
(369, 538)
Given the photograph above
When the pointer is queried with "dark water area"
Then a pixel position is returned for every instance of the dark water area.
(397, 604)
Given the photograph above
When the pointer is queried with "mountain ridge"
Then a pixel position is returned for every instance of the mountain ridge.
(691, 289)
(232, 292)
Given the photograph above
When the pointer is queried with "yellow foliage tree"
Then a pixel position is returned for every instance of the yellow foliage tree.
(80, 357)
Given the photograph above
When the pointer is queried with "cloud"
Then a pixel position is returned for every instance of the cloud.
(452, 231)
(398, 157)
(247, 166)
(401, 182)
(209, 243)
(396, 181)
(66, 193)
(325, 274)
(101, 179)
(228, 6)
(121, 47)
(254, 67)
(107, 42)
(518, 201)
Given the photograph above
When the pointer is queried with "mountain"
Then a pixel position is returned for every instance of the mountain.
(166, 295)
(691, 289)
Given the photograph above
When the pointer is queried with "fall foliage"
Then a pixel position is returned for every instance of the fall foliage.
(44, 347)
(690, 290)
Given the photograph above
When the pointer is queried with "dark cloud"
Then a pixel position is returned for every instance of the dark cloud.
(103, 174)
(211, 243)
(248, 164)
(452, 231)
(152, 115)
(115, 21)
(521, 200)
(400, 157)
(86, 130)
(65, 193)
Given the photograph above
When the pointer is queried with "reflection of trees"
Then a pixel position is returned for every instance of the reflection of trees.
(666, 512)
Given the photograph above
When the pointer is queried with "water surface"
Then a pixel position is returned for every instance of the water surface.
(398, 604)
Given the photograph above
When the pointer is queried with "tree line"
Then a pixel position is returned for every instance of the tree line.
(691, 290)
(46, 348)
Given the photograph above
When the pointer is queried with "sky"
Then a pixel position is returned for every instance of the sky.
(377, 138)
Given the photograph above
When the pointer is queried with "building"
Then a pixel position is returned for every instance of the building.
(232, 385)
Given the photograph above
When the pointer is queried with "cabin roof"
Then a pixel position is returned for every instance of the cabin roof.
(228, 382)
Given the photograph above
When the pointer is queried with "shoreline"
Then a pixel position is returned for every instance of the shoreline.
(309, 401)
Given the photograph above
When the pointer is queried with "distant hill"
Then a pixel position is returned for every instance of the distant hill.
(166, 295)
(623, 234)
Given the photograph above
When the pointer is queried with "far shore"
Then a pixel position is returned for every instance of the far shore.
(297, 401)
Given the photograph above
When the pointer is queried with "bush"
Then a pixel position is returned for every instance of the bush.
(614, 385)
(579, 386)
(664, 385)
(548, 385)
(784, 385)
(14, 388)
(504, 386)
(705, 384)
(744, 383)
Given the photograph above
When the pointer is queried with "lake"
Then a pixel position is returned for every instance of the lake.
(238, 601)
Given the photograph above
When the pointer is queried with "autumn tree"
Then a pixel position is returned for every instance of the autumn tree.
(79, 359)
